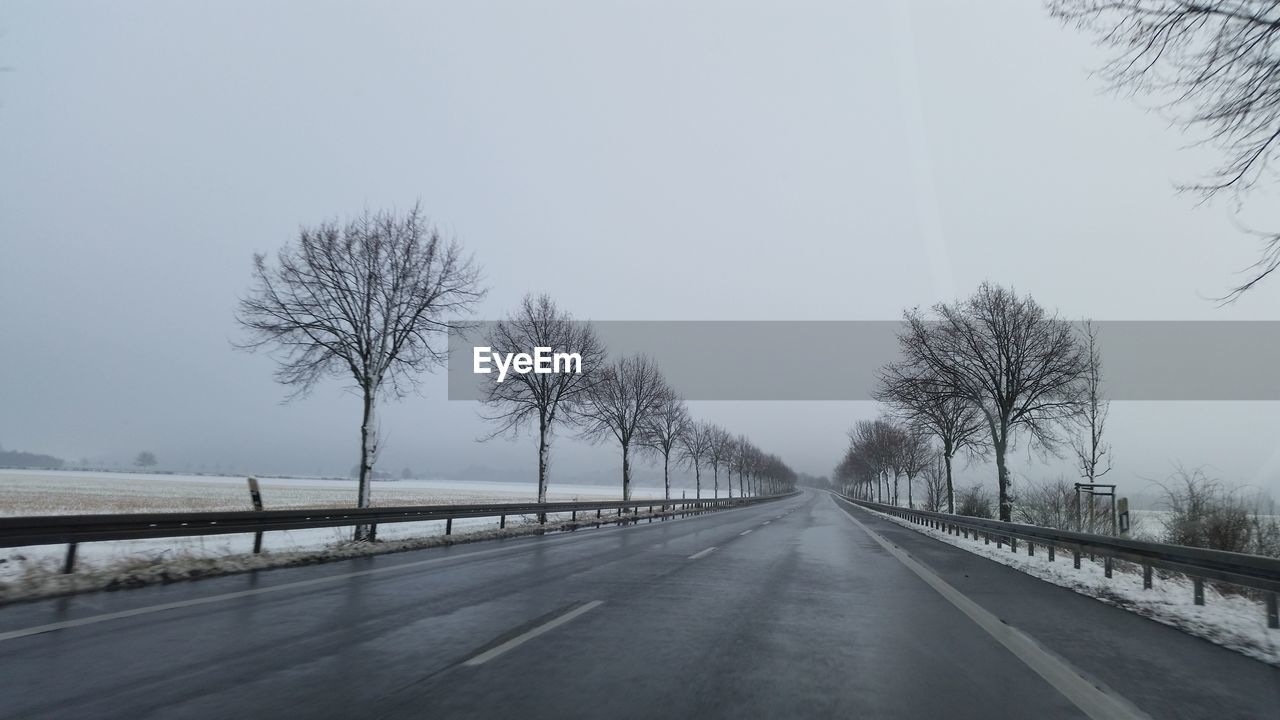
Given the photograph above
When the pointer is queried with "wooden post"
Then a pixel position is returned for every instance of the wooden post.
(70, 563)
(256, 496)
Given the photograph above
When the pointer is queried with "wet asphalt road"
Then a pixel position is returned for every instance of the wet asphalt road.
(797, 612)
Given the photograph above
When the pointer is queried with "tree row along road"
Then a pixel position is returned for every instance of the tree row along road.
(797, 608)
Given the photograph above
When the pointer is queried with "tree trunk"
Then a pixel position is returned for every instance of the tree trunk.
(626, 474)
(666, 473)
(951, 493)
(543, 452)
(895, 488)
(910, 503)
(697, 482)
(1002, 474)
(715, 472)
(368, 445)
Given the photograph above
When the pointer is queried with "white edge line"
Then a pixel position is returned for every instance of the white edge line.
(1094, 701)
(744, 532)
(702, 553)
(532, 633)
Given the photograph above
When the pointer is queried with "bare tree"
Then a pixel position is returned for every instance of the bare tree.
(1093, 453)
(662, 431)
(1213, 66)
(145, 459)
(874, 442)
(366, 301)
(1008, 357)
(914, 455)
(923, 400)
(719, 451)
(623, 399)
(696, 449)
(547, 399)
(742, 461)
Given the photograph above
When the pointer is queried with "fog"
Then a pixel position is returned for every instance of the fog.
(636, 161)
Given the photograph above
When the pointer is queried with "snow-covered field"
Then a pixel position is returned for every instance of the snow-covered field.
(32, 492)
(37, 492)
(1230, 620)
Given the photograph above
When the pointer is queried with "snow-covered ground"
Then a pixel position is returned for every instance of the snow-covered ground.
(31, 492)
(56, 492)
(1230, 620)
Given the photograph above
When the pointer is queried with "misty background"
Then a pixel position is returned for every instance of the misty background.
(635, 160)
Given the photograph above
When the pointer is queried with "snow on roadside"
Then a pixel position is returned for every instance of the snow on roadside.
(1232, 621)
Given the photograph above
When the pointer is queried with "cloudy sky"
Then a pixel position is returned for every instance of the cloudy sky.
(636, 160)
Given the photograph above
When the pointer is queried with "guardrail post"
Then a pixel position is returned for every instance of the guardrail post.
(1051, 552)
(373, 532)
(999, 541)
(1013, 544)
(69, 564)
(502, 522)
(1031, 549)
(986, 538)
(1146, 576)
(448, 526)
(1199, 589)
(1106, 565)
(1273, 611)
(1075, 558)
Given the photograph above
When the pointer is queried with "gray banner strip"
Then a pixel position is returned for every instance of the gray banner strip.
(840, 360)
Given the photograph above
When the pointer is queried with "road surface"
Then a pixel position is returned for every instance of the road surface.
(795, 608)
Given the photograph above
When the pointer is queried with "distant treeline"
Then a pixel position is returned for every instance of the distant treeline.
(19, 459)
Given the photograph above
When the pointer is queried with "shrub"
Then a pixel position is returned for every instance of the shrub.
(975, 501)
(1051, 504)
(1203, 512)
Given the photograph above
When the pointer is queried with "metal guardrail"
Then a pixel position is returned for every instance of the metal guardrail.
(1251, 571)
(74, 529)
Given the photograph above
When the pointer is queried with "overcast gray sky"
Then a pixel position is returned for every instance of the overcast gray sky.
(636, 160)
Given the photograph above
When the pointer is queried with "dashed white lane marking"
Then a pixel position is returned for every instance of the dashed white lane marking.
(1093, 700)
(744, 532)
(766, 522)
(532, 633)
(702, 553)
